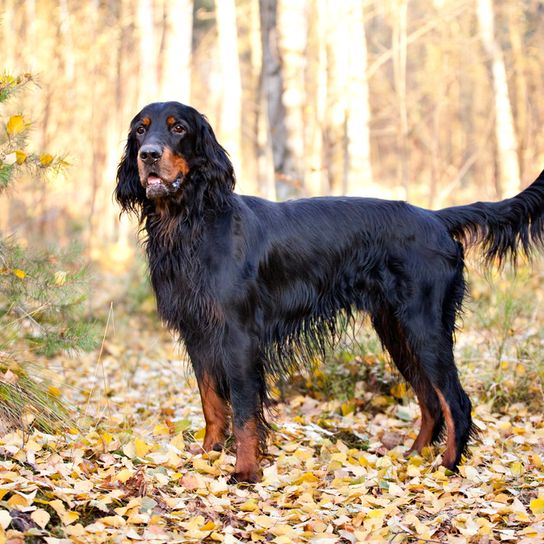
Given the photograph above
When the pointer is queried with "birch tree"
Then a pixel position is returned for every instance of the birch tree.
(148, 53)
(359, 175)
(315, 182)
(348, 137)
(292, 41)
(507, 147)
(175, 79)
(272, 85)
(231, 106)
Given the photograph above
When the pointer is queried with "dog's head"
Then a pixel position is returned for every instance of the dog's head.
(169, 147)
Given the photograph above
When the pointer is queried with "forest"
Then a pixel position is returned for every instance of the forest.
(434, 102)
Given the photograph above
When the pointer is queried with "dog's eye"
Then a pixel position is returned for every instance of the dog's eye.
(140, 130)
(178, 129)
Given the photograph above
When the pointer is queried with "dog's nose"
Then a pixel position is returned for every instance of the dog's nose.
(150, 153)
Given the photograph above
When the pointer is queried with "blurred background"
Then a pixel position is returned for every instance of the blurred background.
(435, 101)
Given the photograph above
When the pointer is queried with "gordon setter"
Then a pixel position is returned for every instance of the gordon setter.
(252, 287)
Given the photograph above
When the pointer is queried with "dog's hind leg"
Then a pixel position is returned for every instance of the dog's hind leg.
(429, 322)
(394, 341)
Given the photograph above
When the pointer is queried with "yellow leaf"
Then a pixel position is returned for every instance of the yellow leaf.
(41, 517)
(46, 159)
(307, 477)
(398, 390)
(141, 448)
(53, 391)
(106, 437)
(60, 277)
(113, 521)
(264, 521)
(516, 468)
(17, 500)
(70, 517)
(536, 460)
(347, 408)
(20, 156)
(124, 475)
(5, 519)
(537, 506)
(249, 506)
(15, 125)
(161, 429)
(200, 465)
(210, 526)
(199, 435)
(19, 273)
(58, 506)
(178, 442)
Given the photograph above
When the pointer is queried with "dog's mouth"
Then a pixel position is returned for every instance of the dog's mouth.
(157, 187)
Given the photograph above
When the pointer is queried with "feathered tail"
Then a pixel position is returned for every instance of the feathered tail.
(504, 229)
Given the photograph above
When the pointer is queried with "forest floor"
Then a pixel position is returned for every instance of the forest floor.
(132, 468)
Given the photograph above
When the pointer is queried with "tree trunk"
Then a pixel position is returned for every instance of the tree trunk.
(148, 53)
(516, 30)
(359, 175)
(175, 76)
(292, 41)
(316, 97)
(507, 147)
(400, 52)
(231, 107)
(65, 28)
(265, 184)
(348, 139)
(272, 84)
(337, 77)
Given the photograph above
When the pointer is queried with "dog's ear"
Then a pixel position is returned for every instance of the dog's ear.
(216, 165)
(129, 191)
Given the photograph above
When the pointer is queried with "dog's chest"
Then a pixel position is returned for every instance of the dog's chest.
(180, 287)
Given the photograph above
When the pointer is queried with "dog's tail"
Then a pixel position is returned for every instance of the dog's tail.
(504, 229)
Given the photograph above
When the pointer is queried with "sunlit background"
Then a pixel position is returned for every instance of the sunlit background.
(436, 102)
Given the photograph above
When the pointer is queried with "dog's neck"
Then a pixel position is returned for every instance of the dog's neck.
(180, 218)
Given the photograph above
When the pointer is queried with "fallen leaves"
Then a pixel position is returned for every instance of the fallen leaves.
(333, 474)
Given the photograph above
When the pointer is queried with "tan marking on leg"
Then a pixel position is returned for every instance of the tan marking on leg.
(426, 430)
(451, 451)
(248, 453)
(216, 414)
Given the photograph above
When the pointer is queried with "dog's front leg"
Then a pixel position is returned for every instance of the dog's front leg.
(245, 378)
(216, 413)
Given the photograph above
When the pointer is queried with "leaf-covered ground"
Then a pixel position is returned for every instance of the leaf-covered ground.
(335, 471)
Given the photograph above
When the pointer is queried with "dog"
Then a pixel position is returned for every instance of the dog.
(252, 287)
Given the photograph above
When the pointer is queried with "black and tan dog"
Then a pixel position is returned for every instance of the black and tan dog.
(251, 286)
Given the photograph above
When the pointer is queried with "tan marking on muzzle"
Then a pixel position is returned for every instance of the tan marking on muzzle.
(174, 162)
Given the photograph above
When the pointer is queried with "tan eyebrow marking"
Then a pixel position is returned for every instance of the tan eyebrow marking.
(146, 121)
(170, 120)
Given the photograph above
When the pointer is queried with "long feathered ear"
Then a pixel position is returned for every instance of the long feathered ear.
(129, 191)
(216, 165)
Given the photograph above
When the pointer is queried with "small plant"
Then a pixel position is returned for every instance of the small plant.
(29, 399)
(41, 293)
(506, 350)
